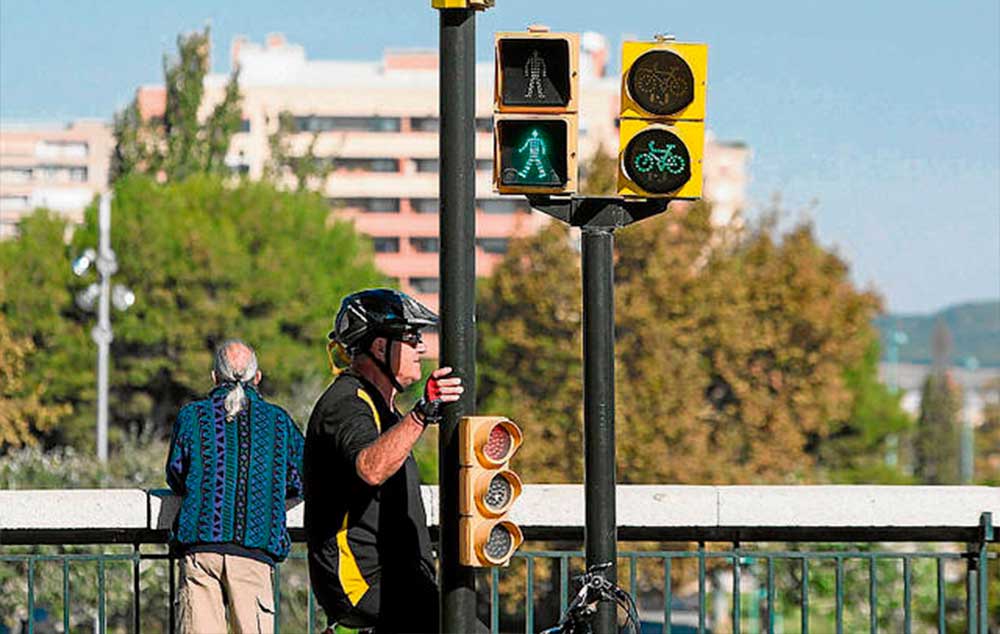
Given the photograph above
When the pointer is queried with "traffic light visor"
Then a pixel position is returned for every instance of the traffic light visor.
(495, 444)
(495, 492)
(497, 541)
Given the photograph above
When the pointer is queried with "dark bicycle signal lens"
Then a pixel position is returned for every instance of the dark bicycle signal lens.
(657, 161)
(661, 82)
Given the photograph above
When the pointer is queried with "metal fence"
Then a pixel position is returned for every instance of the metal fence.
(820, 560)
(764, 586)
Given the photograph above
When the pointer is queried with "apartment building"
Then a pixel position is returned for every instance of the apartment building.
(61, 167)
(377, 122)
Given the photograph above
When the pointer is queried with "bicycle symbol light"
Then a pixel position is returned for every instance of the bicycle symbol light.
(662, 119)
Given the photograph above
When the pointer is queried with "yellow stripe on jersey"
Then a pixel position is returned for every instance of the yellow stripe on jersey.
(351, 579)
(367, 399)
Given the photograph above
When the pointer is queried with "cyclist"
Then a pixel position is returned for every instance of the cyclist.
(370, 560)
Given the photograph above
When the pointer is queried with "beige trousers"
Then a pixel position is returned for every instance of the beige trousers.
(211, 580)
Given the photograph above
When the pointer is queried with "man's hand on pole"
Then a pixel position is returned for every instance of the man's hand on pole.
(439, 389)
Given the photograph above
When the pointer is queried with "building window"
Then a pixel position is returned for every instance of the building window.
(61, 149)
(367, 164)
(425, 205)
(78, 174)
(499, 206)
(492, 245)
(425, 284)
(425, 124)
(16, 174)
(244, 125)
(484, 165)
(428, 165)
(386, 245)
(484, 124)
(315, 123)
(13, 203)
(425, 245)
(368, 205)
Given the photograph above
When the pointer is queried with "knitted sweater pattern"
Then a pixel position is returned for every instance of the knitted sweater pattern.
(234, 476)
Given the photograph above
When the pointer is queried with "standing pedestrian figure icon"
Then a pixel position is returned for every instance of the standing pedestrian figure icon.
(536, 150)
(534, 70)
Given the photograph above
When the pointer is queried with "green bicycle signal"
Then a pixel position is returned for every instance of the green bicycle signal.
(657, 160)
(663, 160)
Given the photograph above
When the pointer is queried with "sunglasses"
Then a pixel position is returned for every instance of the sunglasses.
(411, 338)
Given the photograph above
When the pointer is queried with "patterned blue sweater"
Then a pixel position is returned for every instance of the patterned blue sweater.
(234, 476)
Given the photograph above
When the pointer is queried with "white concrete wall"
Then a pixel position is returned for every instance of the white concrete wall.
(562, 505)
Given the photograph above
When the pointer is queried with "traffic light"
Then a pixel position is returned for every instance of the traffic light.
(662, 124)
(487, 489)
(536, 92)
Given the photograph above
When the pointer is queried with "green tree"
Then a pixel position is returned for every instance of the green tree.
(935, 442)
(185, 140)
(23, 415)
(988, 437)
(36, 304)
(732, 356)
(306, 169)
(936, 436)
(207, 260)
(865, 447)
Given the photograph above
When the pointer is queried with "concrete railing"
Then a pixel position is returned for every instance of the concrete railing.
(722, 513)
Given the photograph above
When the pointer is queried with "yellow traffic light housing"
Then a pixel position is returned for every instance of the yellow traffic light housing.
(487, 489)
(535, 103)
(478, 5)
(662, 124)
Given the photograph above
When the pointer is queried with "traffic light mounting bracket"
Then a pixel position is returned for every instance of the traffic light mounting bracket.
(597, 212)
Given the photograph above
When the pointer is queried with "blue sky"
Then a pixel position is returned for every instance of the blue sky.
(879, 121)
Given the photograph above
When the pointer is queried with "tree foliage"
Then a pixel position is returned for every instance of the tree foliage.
(23, 415)
(207, 261)
(987, 437)
(936, 437)
(186, 140)
(306, 169)
(732, 358)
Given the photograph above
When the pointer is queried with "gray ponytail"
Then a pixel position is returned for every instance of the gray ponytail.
(226, 372)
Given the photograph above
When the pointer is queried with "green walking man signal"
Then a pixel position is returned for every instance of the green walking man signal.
(535, 112)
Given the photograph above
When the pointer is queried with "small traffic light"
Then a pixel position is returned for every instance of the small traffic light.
(662, 125)
(487, 489)
(536, 92)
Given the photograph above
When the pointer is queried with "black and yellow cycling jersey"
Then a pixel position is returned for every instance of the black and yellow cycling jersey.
(362, 539)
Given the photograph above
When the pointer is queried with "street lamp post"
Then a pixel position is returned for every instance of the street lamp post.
(897, 339)
(103, 295)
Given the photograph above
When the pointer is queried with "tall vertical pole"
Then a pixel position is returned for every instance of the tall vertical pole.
(102, 332)
(457, 90)
(601, 533)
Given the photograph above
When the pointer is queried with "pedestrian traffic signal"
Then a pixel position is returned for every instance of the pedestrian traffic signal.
(536, 92)
(662, 124)
(487, 489)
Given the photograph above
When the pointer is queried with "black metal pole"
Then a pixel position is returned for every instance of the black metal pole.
(601, 532)
(457, 90)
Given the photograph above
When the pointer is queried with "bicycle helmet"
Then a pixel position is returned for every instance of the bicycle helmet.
(378, 312)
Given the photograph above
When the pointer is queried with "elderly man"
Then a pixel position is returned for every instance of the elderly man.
(234, 459)
(370, 559)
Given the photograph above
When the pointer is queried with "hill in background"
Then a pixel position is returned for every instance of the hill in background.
(974, 327)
